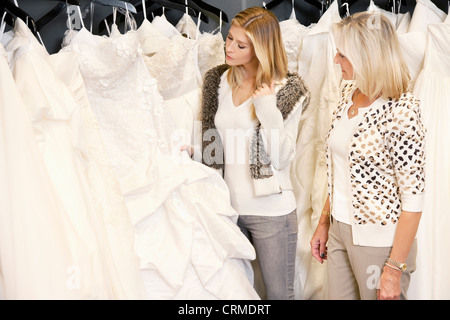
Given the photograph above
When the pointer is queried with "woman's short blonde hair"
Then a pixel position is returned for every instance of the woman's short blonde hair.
(263, 29)
(370, 43)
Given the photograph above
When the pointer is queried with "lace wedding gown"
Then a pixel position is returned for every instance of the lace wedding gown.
(179, 78)
(292, 32)
(211, 46)
(185, 231)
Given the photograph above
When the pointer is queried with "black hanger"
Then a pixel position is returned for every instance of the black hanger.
(16, 12)
(204, 8)
(181, 5)
(49, 16)
(441, 4)
(272, 4)
(390, 5)
(318, 4)
(117, 3)
(216, 11)
(166, 4)
(73, 2)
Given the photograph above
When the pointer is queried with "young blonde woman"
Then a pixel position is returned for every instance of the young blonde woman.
(251, 107)
(375, 163)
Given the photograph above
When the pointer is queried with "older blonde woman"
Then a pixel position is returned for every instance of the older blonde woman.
(251, 107)
(375, 165)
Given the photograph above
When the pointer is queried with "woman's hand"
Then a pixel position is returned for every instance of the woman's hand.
(390, 284)
(264, 90)
(188, 149)
(319, 241)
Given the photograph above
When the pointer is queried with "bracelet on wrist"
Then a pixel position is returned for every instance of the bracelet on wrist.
(392, 267)
(326, 213)
(396, 265)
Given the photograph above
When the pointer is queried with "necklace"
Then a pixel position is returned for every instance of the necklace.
(353, 110)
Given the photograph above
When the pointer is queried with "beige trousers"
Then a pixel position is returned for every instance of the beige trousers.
(354, 271)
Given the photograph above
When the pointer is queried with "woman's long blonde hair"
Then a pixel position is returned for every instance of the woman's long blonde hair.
(370, 43)
(263, 29)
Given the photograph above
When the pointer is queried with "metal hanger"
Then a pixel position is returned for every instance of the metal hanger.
(167, 4)
(204, 8)
(214, 10)
(160, 4)
(117, 4)
(395, 4)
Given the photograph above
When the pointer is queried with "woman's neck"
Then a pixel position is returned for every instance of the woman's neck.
(250, 70)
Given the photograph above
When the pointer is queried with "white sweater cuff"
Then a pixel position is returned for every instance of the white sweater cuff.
(267, 112)
(413, 202)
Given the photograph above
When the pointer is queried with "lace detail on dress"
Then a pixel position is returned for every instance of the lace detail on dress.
(186, 26)
(150, 38)
(126, 101)
(175, 67)
(211, 46)
(211, 51)
(292, 33)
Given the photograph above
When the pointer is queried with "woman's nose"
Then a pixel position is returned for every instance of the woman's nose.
(336, 59)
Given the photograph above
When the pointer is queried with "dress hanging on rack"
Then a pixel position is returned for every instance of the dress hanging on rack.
(68, 145)
(413, 42)
(432, 87)
(292, 32)
(308, 170)
(35, 254)
(185, 229)
(179, 79)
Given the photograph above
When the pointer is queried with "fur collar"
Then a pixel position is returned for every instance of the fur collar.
(212, 148)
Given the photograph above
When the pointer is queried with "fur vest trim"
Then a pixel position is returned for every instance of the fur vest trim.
(260, 166)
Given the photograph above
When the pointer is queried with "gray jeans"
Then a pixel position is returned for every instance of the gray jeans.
(275, 242)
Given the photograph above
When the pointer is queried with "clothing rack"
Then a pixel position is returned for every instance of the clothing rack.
(49, 17)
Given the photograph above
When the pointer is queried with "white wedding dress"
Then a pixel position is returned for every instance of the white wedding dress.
(35, 258)
(211, 46)
(185, 231)
(414, 42)
(178, 77)
(96, 224)
(292, 32)
(308, 171)
(431, 280)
